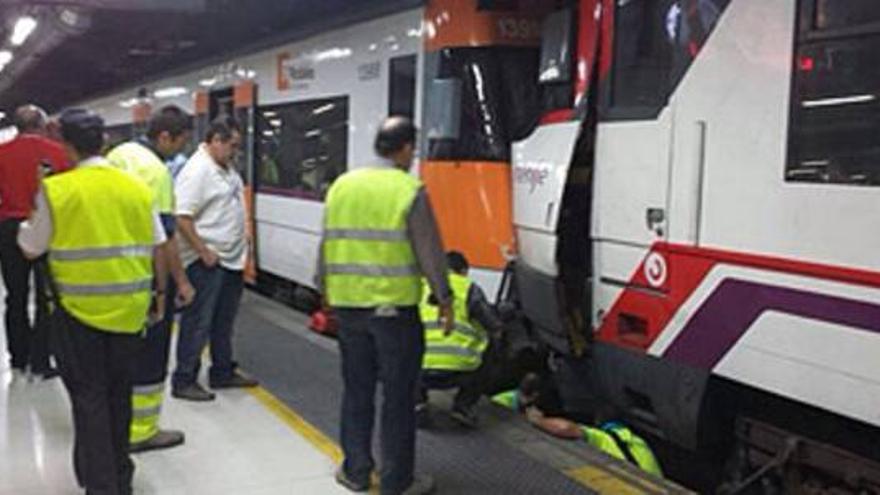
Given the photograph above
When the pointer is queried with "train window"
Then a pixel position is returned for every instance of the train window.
(402, 86)
(499, 101)
(655, 43)
(835, 112)
(302, 147)
(839, 14)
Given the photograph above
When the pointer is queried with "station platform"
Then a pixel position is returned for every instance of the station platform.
(281, 437)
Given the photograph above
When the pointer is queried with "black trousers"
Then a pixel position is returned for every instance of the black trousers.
(27, 345)
(471, 384)
(152, 360)
(96, 368)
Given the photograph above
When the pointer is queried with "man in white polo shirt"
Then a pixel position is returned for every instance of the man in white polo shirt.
(213, 247)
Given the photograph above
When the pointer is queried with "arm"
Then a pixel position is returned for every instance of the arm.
(160, 269)
(186, 293)
(187, 228)
(36, 233)
(428, 247)
(482, 311)
(558, 427)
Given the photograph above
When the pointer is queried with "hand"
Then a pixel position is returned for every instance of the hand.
(157, 310)
(533, 414)
(186, 293)
(447, 319)
(209, 258)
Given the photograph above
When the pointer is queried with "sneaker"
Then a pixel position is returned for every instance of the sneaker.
(193, 392)
(347, 482)
(422, 484)
(237, 380)
(465, 416)
(165, 439)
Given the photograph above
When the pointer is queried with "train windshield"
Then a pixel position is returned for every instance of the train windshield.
(500, 101)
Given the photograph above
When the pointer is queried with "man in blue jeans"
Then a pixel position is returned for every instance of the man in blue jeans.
(380, 239)
(213, 247)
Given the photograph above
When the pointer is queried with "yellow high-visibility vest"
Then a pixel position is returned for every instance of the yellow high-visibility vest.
(101, 250)
(368, 258)
(461, 350)
(143, 163)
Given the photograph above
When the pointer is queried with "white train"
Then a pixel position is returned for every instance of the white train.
(685, 187)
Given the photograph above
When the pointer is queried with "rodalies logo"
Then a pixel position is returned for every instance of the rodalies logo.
(533, 176)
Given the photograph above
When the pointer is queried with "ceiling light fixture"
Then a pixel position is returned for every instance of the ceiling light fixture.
(24, 26)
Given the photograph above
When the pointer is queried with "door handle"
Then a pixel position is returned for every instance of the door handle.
(655, 218)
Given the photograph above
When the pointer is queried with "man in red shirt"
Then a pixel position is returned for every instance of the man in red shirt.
(21, 161)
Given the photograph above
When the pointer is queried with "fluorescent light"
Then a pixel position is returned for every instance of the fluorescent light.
(333, 53)
(2, 115)
(207, 82)
(323, 109)
(24, 26)
(171, 92)
(5, 57)
(276, 123)
(269, 113)
(843, 100)
(129, 102)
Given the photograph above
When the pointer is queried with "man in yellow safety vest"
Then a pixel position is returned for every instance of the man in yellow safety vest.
(104, 240)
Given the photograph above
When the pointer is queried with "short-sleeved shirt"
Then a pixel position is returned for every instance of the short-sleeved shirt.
(213, 196)
(20, 161)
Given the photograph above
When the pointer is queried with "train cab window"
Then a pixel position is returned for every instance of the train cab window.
(835, 108)
(402, 86)
(499, 101)
(656, 41)
(302, 147)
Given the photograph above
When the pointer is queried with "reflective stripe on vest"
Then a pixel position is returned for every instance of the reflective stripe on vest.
(461, 350)
(368, 259)
(100, 253)
(146, 165)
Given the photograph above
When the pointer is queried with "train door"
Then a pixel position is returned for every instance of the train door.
(633, 165)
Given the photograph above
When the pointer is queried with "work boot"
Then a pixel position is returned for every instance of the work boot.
(193, 392)
(237, 380)
(465, 416)
(348, 483)
(164, 439)
(422, 484)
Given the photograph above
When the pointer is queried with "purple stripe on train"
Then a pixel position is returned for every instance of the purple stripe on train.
(735, 305)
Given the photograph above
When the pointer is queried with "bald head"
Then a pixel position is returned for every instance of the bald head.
(30, 119)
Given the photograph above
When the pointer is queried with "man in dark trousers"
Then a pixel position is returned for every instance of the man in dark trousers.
(380, 239)
(103, 237)
(20, 168)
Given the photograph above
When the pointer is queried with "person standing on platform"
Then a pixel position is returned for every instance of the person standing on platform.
(104, 241)
(380, 239)
(168, 132)
(213, 246)
(20, 162)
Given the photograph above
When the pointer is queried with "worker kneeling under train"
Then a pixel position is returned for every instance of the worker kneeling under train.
(464, 358)
(612, 438)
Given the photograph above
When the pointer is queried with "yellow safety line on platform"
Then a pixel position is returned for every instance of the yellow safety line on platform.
(602, 481)
(296, 422)
(305, 429)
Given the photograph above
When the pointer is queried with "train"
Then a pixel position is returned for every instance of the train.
(673, 195)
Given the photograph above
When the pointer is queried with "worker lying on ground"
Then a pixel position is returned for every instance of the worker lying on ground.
(612, 438)
(465, 357)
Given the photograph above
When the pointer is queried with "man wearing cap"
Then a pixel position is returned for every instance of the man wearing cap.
(103, 238)
(380, 239)
(20, 163)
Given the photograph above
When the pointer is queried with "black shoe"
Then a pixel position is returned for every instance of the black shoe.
(465, 416)
(347, 482)
(193, 392)
(237, 380)
(46, 374)
(164, 439)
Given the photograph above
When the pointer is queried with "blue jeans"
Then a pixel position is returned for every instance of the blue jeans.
(209, 318)
(384, 349)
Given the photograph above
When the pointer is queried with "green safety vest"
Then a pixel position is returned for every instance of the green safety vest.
(463, 349)
(143, 163)
(101, 250)
(368, 259)
(509, 399)
(604, 440)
